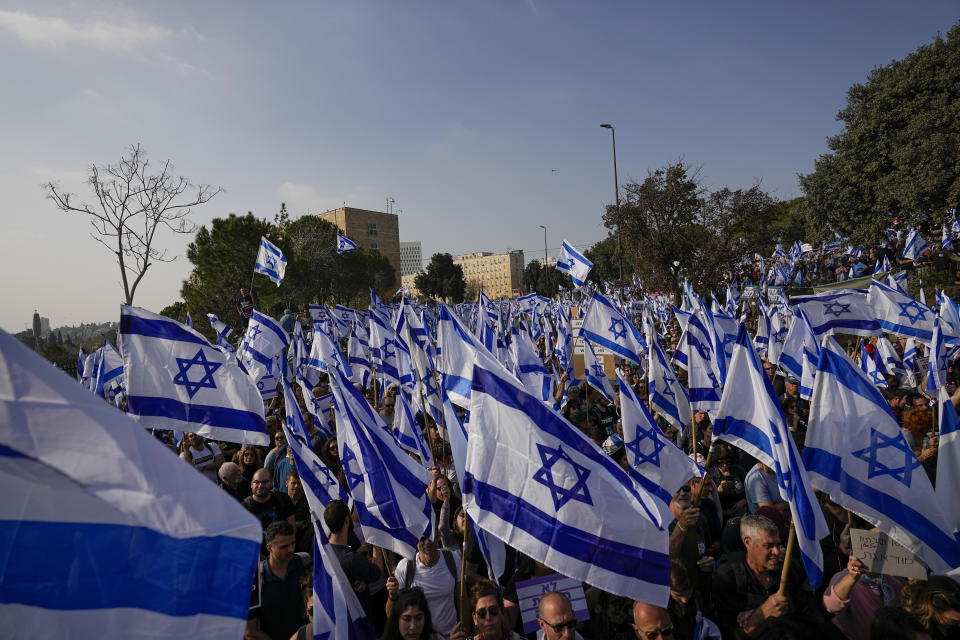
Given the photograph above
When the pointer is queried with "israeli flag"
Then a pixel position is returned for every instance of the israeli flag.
(178, 380)
(270, 261)
(856, 452)
(345, 244)
(667, 395)
(574, 264)
(108, 372)
(948, 460)
(900, 314)
(529, 367)
(222, 329)
(938, 361)
(604, 325)
(800, 353)
(321, 408)
(915, 245)
(407, 431)
(459, 348)
(81, 366)
(658, 465)
(357, 358)
(101, 533)
(840, 311)
(540, 485)
(388, 486)
(882, 266)
(750, 418)
(595, 375)
(337, 613)
(264, 341)
(872, 368)
(946, 242)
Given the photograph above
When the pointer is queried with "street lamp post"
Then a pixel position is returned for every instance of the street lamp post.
(616, 189)
(544, 246)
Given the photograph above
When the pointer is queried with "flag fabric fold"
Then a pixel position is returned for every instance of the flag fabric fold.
(270, 261)
(574, 264)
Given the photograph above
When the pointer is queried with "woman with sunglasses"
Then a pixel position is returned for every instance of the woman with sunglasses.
(488, 619)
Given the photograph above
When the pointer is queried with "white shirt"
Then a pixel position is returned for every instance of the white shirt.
(204, 457)
(439, 588)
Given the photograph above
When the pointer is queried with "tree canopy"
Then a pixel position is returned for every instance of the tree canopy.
(898, 155)
(442, 280)
(671, 226)
(546, 282)
(223, 257)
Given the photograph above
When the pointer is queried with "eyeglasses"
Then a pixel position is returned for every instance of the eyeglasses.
(662, 632)
(493, 610)
(684, 489)
(561, 626)
(261, 482)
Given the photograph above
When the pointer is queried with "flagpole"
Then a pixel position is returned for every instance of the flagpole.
(787, 558)
(706, 466)
(464, 604)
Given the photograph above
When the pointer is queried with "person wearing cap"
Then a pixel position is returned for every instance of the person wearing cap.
(288, 320)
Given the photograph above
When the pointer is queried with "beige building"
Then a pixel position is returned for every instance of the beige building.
(498, 274)
(409, 283)
(370, 230)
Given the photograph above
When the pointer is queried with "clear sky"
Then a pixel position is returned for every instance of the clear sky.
(479, 117)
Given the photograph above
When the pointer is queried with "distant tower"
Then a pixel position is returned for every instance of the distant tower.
(36, 326)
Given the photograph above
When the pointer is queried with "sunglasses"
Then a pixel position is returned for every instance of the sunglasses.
(560, 626)
(684, 489)
(493, 611)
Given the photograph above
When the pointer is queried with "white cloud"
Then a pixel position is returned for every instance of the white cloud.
(59, 32)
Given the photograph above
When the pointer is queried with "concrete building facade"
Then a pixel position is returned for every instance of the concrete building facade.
(411, 258)
(371, 230)
(498, 274)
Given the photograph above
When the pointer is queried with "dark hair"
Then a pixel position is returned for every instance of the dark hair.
(893, 623)
(335, 515)
(408, 598)
(679, 576)
(279, 528)
(293, 474)
(483, 588)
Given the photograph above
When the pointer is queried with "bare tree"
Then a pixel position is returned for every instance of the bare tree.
(131, 204)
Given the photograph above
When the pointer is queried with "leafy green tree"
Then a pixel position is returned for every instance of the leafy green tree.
(898, 155)
(223, 257)
(546, 282)
(442, 280)
(176, 311)
(603, 255)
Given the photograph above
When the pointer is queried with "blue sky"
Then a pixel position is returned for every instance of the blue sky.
(459, 110)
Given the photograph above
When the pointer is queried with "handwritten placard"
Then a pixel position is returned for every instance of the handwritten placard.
(530, 591)
(882, 554)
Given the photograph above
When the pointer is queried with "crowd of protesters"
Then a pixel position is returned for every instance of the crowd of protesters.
(726, 542)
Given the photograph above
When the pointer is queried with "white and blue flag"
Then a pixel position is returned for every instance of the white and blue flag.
(574, 264)
(667, 395)
(871, 366)
(750, 418)
(388, 486)
(605, 325)
(108, 372)
(537, 483)
(840, 311)
(653, 460)
(337, 613)
(948, 460)
(221, 327)
(915, 245)
(459, 348)
(100, 533)
(177, 380)
(345, 244)
(898, 313)
(264, 341)
(407, 431)
(855, 451)
(270, 261)
(595, 375)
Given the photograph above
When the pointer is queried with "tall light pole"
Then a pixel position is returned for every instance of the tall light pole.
(544, 246)
(616, 189)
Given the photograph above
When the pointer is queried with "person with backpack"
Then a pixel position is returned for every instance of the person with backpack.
(437, 572)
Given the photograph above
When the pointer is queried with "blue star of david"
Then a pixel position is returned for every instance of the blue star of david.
(271, 263)
(879, 442)
(905, 308)
(836, 309)
(878, 378)
(429, 386)
(728, 338)
(387, 351)
(353, 479)
(617, 328)
(713, 380)
(666, 391)
(561, 495)
(652, 457)
(699, 346)
(779, 336)
(183, 378)
(253, 332)
(598, 371)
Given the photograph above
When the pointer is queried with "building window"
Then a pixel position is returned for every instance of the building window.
(374, 246)
(371, 228)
